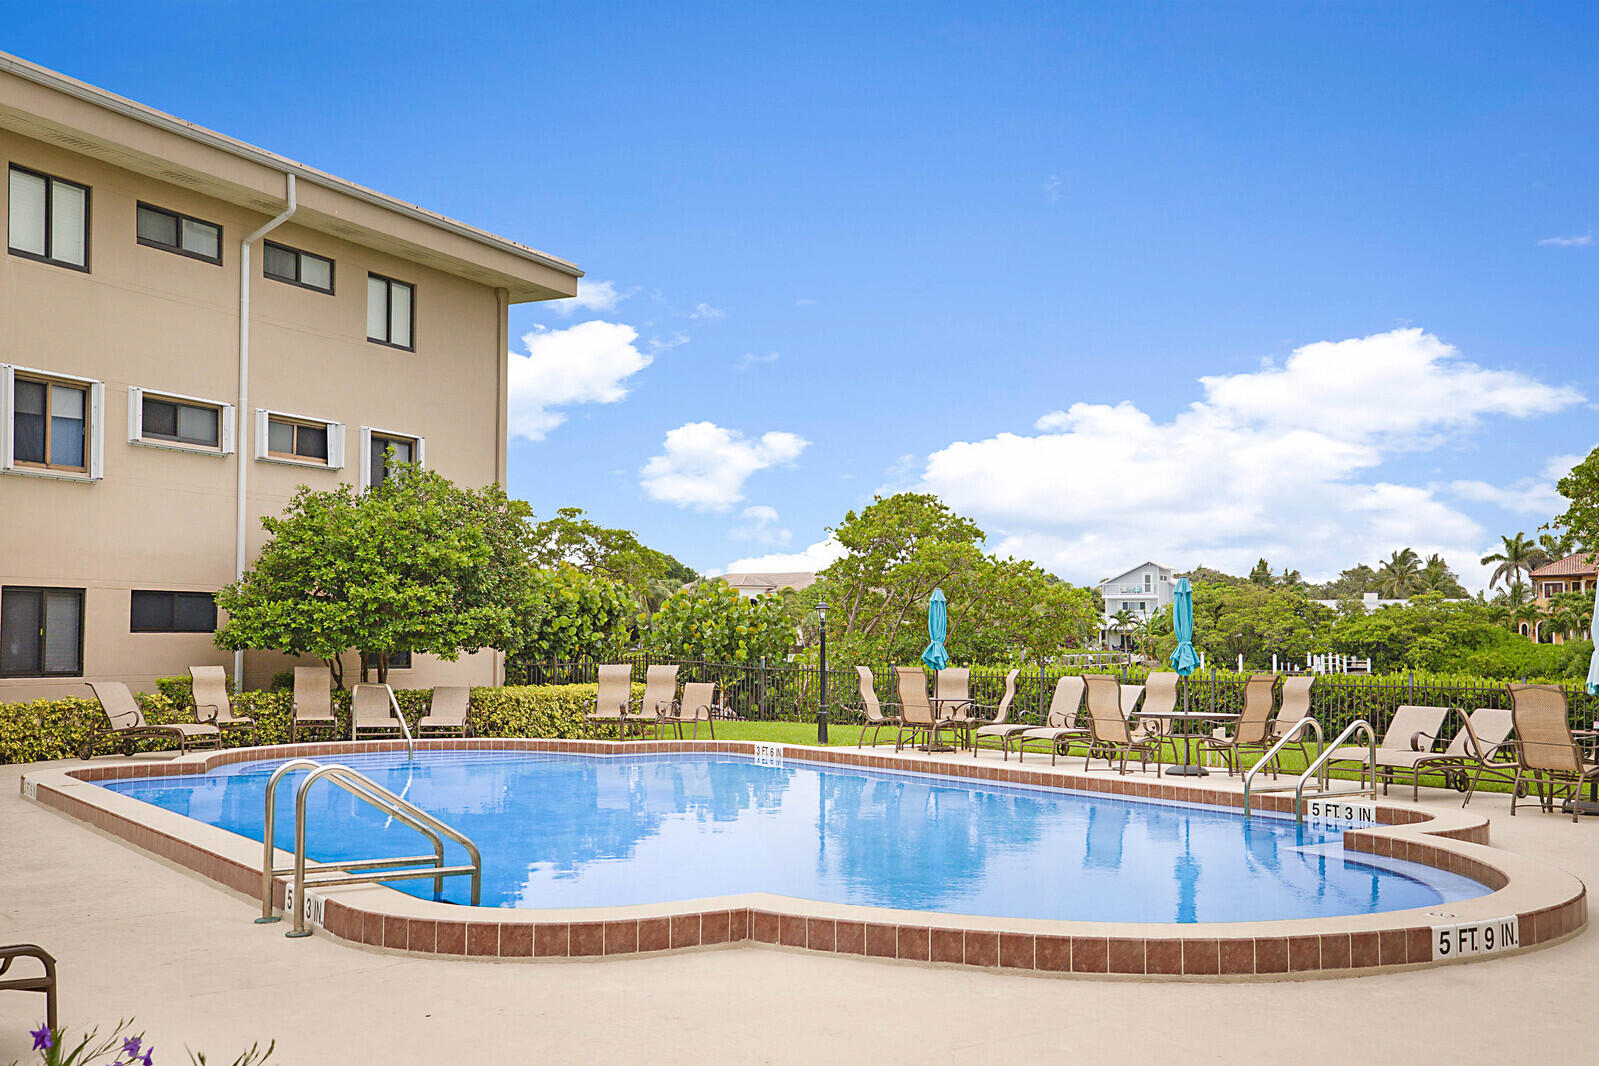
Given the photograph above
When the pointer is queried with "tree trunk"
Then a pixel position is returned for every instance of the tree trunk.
(336, 668)
(383, 667)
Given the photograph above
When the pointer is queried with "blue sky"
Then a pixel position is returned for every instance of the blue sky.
(984, 250)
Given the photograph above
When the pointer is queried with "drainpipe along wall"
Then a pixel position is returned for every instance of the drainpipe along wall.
(245, 422)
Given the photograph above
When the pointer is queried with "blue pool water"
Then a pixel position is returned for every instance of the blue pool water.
(561, 830)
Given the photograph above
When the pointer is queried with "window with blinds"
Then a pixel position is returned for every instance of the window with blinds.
(41, 632)
(47, 219)
(390, 312)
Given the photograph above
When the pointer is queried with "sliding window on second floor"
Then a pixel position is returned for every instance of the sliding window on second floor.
(282, 263)
(51, 425)
(168, 420)
(48, 219)
(174, 232)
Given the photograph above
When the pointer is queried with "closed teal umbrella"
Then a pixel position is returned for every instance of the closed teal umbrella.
(934, 654)
(1593, 659)
(1183, 660)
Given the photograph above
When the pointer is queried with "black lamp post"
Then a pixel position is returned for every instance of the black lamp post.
(821, 709)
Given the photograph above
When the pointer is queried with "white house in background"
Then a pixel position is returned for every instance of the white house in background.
(1141, 592)
(752, 585)
(1370, 601)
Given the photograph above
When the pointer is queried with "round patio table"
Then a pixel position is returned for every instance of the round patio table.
(941, 712)
(1189, 767)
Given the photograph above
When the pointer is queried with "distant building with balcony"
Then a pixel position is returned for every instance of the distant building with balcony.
(1574, 573)
(1142, 592)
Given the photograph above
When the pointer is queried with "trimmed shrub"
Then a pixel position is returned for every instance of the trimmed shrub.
(57, 729)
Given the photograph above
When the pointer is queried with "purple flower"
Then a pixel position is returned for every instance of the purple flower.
(41, 1038)
(132, 1046)
(147, 1053)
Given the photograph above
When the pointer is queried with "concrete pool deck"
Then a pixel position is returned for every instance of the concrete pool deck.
(137, 936)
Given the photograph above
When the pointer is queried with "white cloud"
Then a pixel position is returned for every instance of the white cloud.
(705, 311)
(1052, 189)
(1266, 464)
(814, 558)
(666, 344)
(586, 363)
(1581, 240)
(804, 301)
(1534, 496)
(749, 359)
(704, 466)
(597, 296)
(760, 525)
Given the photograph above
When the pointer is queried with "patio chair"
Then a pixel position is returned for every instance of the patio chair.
(1060, 726)
(1478, 748)
(697, 705)
(1111, 737)
(44, 983)
(952, 691)
(1408, 724)
(612, 695)
(1294, 707)
(127, 721)
(1252, 731)
(916, 710)
(873, 710)
(372, 711)
(1546, 753)
(660, 693)
(1000, 726)
(313, 700)
(211, 703)
(447, 710)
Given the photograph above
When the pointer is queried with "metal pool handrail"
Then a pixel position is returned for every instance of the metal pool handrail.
(1286, 739)
(362, 870)
(1320, 764)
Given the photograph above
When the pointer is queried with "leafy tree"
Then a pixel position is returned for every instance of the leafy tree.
(1517, 556)
(1557, 545)
(1205, 575)
(1398, 575)
(710, 621)
(1436, 576)
(572, 538)
(1352, 584)
(1261, 574)
(1255, 622)
(415, 564)
(1579, 522)
(574, 615)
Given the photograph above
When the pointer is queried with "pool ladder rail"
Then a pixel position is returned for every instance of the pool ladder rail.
(1318, 766)
(357, 871)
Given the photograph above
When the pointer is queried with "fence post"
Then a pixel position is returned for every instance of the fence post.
(1212, 690)
(1410, 688)
(1041, 684)
(760, 692)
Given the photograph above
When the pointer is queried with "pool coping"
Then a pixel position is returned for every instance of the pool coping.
(1547, 903)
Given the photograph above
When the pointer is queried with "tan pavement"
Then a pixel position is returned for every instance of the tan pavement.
(137, 937)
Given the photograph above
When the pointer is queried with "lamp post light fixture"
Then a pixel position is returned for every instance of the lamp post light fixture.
(821, 708)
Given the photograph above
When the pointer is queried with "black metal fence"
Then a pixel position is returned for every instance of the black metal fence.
(786, 691)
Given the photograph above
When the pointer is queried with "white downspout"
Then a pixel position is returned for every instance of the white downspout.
(245, 421)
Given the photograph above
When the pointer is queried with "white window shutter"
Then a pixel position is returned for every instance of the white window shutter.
(96, 431)
(260, 433)
(336, 445)
(364, 459)
(135, 413)
(421, 451)
(228, 429)
(8, 383)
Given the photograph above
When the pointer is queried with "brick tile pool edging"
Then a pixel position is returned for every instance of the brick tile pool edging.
(1549, 904)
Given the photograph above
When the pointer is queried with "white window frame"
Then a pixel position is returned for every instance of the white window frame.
(96, 412)
(419, 452)
(226, 430)
(335, 440)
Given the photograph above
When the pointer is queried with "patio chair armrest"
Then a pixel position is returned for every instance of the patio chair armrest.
(1417, 745)
(215, 708)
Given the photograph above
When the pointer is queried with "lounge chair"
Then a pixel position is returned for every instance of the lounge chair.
(1000, 726)
(660, 693)
(1294, 707)
(1060, 726)
(127, 721)
(1252, 731)
(372, 710)
(447, 709)
(211, 703)
(1401, 737)
(952, 692)
(873, 710)
(1547, 754)
(1111, 737)
(916, 710)
(1477, 750)
(697, 705)
(44, 983)
(313, 700)
(612, 695)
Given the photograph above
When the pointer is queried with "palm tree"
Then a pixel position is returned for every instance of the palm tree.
(1529, 613)
(1517, 594)
(1556, 546)
(1123, 621)
(1399, 574)
(1517, 556)
(1436, 576)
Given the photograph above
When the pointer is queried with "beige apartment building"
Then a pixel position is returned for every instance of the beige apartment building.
(169, 373)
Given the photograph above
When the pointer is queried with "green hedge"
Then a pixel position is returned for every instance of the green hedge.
(57, 729)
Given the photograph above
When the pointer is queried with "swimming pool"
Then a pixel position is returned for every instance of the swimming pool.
(569, 830)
